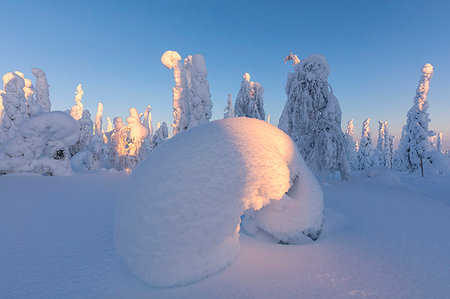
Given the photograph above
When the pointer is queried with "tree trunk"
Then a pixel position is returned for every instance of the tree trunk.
(421, 165)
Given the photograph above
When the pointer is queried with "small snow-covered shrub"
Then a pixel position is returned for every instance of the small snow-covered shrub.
(177, 220)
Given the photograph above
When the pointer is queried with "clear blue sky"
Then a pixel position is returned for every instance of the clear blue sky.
(375, 50)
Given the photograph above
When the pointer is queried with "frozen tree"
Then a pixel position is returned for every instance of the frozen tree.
(414, 142)
(77, 110)
(381, 143)
(99, 121)
(160, 136)
(15, 105)
(28, 90)
(86, 133)
(352, 145)
(42, 95)
(365, 152)
(439, 143)
(312, 117)
(229, 109)
(191, 97)
(181, 109)
(199, 96)
(249, 101)
(268, 118)
(293, 58)
(41, 145)
(2, 110)
(109, 126)
(148, 120)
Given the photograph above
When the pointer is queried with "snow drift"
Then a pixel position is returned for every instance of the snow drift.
(178, 218)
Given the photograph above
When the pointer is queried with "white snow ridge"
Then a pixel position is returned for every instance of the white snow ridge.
(177, 220)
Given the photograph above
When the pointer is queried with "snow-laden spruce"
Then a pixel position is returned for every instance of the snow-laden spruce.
(191, 97)
(366, 151)
(160, 136)
(249, 101)
(41, 145)
(352, 145)
(42, 95)
(177, 220)
(229, 109)
(385, 146)
(414, 142)
(77, 110)
(312, 117)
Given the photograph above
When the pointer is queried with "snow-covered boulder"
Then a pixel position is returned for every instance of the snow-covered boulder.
(178, 218)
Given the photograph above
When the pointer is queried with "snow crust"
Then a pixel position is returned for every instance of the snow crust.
(177, 220)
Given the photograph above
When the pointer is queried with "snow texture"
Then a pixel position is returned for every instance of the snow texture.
(312, 117)
(249, 101)
(177, 220)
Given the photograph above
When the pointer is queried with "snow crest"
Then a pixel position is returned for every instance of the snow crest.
(178, 219)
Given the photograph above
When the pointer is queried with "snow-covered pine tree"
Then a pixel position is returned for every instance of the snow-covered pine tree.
(86, 133)
(181, 109)
(439, 142)
(352, 145)
(249, 101)
(77, 110)
(199, 95)
(99, 121)
(414, 142)
(109, 125)
(229, 109)
(160, 136)
(15, 105)
(365, 152)
(29, 94)
(380, 151)
(312, 118)
(42, 95)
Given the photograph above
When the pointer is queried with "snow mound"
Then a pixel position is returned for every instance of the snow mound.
(177, 220)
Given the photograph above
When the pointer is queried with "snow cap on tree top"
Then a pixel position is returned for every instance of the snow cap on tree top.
(37, 72)
(316, 67)
(199, 63)
(427, 69)
(13, 83)
(170, 59)
(247, 77)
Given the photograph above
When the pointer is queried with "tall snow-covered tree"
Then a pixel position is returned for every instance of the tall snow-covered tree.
(439, 142)
(148, 120)
(365, 152)
(77, 110)
(15, 105)
(199, 95)
(109, 126)
(249, 101)
(414, 142)
(42, 95)
(86, 133)
(229, 109)
(384, 150)
(191, 97)
(99, 121)
(312, 117)
(352, 145)
(160, 136)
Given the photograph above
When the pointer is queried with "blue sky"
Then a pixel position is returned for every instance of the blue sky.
(375, 50)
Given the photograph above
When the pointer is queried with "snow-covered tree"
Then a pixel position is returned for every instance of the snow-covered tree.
(312, 117)
(42, 95)
(77, 110)
(41, 145)
(15, 105)
(181, 109)
(414, 142)
(293, 58)
(86, 133)
(199, 96)
(148, 120)
(28, 90)
(160, 136)
(109, 126)
(352, 145)
(385, 145)
(249, 101)
(365, 152)
(191, 97)
(439, 143)
(99, 121)
(229, 109)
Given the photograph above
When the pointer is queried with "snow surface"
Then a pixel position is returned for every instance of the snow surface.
(177, 221)
(381, 238)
